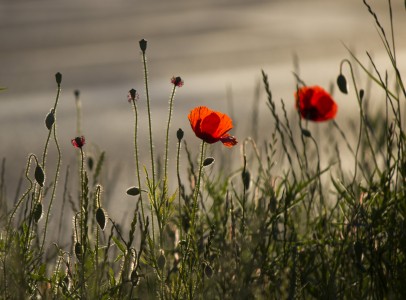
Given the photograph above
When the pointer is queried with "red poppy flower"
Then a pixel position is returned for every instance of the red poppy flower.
(315, 104)
(78, 142)
(211, 126)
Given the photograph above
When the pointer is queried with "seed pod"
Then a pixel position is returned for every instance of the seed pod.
(37, 213)
(208, 161)
(101, 218)
(342, 84)
(50, 119)
(133, 191)
(39, 175)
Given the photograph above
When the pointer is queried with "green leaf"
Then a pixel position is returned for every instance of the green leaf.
(2, 88)
(119, 244)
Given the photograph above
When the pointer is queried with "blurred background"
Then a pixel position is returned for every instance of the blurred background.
(218, 47)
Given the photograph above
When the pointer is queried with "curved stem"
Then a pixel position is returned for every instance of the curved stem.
(58, 165)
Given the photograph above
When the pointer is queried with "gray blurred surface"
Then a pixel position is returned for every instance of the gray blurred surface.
(215, 45)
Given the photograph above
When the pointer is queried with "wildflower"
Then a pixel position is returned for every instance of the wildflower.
(132, 95)
(78, 142)
(211, 126)
(315, 104)
(177, 81)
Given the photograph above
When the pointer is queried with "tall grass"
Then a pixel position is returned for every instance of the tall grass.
(305, 228)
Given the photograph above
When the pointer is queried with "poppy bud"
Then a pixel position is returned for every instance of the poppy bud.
(50, 119)
(342, 84)
(58, 78)
(179, 134)
(133, 191)
(208, 161)
(143, 45)
(39, 175)
(101, 218)
(37, 214)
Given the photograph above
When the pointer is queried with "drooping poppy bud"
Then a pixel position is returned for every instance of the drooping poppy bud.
(342, 84)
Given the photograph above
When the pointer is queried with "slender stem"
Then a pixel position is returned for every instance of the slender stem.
(151, 148)
(136, 156)
(167, 137)
(179, 187)
(82, 225)
(197, 187)
(58, 165)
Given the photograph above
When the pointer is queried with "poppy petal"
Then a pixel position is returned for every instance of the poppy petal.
(228, 140)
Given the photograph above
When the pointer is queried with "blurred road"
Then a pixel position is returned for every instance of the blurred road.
(218, 46)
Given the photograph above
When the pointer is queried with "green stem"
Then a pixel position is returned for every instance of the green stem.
(197, 188)
(82, 225)
(167, 136)
(179, 187)
(58, 165)
(136, 156)
(151, 148)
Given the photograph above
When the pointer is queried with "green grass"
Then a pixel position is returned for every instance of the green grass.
(302, 229)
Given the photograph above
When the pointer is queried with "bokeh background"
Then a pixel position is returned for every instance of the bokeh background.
(218, 47)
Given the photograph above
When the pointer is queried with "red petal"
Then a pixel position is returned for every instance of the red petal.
(228, 140)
